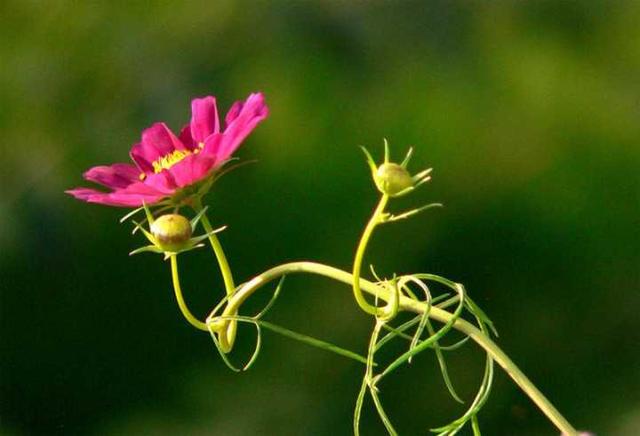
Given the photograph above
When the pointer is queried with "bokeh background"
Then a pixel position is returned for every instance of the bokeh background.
(529, 113)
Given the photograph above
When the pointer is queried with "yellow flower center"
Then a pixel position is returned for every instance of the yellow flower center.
(167, 161)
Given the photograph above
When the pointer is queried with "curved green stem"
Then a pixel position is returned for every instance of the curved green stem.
(225, 270)
(227, 341)
(357, 262)
(181, 303)
(220, 325)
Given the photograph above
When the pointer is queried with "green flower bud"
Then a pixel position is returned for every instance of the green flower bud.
(172, 232)
(391, 179)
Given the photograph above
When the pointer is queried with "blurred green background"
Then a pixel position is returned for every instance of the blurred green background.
(529, 113)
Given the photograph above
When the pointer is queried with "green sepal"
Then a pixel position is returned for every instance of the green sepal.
(146, 233)
(196, 219)
(407, 158)
(148, 213)
(370, 161)
(130, 214)
(146, 248)
(387, 154)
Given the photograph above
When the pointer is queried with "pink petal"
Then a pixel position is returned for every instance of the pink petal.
(83, 193)
(160, 137)
(162, 182)
(250, 114)
(117, 198)
(192, 169)
(142, 188)
(212, 145)
(142, 158)
(135, 194)
(126, 199)
(114, 176)
(233, 113)
(204, 118)
(185, 137)
(157, 141)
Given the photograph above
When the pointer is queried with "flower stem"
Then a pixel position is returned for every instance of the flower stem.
(181, 303)
(227, 340)
(220, 325)
(227, 276)
(357, 262)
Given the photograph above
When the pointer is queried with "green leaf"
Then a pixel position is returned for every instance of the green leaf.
(443, 330)
(272, 300)
(455, 345)
(256, 351)
(358, 409)
(397, 331)
(480, 398)
(327, 346)
(443, 366)
(481, 315)
(383, 415)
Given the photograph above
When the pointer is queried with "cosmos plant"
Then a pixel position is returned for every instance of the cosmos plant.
(168, 179)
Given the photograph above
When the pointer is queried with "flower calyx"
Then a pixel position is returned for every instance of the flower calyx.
(171, 233)
(394, 179)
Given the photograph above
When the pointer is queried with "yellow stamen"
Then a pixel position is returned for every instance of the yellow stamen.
(169, 160)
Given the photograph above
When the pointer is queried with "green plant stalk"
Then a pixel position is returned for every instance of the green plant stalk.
(177, 289)
(407, 304)
(357, 263)
(227, 340)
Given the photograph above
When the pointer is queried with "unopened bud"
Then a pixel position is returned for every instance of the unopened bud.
(172, 232)
(392, 179)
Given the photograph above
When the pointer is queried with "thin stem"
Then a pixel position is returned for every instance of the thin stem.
(357, 262)
(227, 340)
(181, 303)
(407, 304)
(225, 270)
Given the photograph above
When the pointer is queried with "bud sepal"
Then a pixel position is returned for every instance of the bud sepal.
(394, 179)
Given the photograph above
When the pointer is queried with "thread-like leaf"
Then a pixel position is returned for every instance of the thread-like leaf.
(397, 331)
(443, 366)
(455, 345)
(425, 314)
(358, 409)
(439, 334)
(383, 415)
(481, 315)
(299, 337)
(480, 398)
(272, 300)
(223, 355)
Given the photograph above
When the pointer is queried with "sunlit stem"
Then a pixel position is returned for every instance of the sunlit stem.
(226, 341)
(406, 304)
(181, 303)
(376, 219)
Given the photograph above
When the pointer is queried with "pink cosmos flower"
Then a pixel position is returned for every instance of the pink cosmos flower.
(169, 168)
